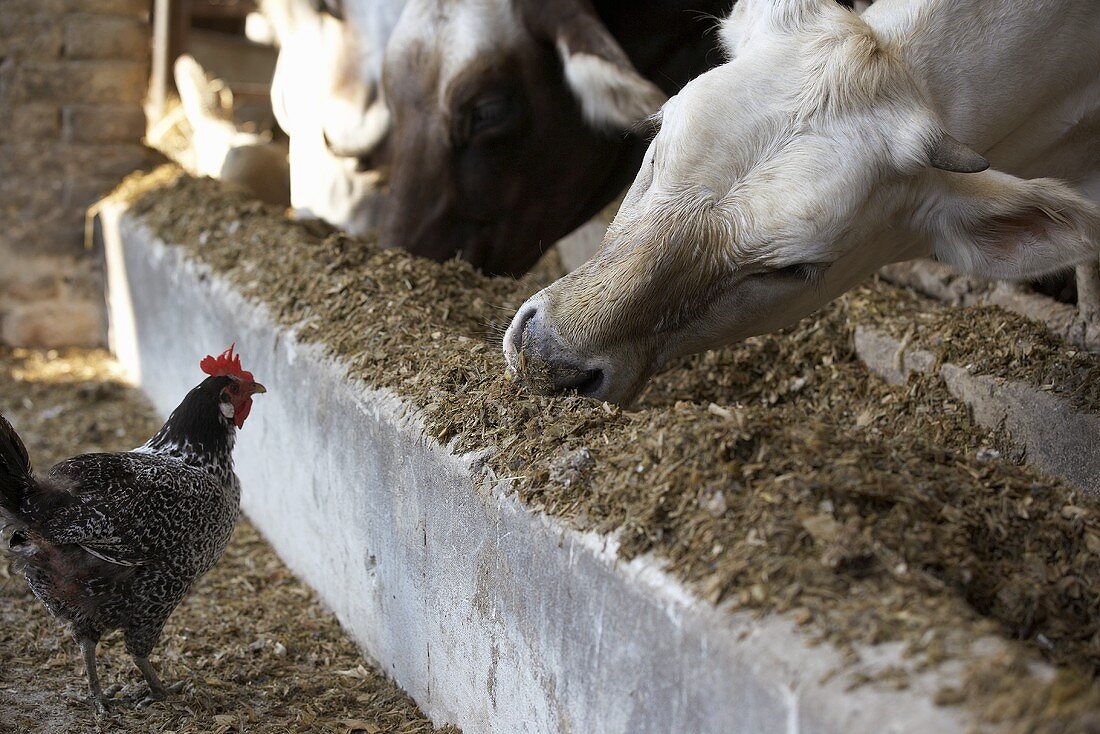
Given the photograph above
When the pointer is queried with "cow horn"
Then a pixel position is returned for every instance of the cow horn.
(948, 154)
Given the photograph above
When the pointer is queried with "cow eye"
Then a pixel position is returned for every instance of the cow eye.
(490, 113)
(809, 272)
(335, 8)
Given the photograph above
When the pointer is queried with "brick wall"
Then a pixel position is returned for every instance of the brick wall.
(73, 75)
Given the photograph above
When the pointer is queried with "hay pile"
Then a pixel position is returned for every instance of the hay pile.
(257, 651)
(777, 475)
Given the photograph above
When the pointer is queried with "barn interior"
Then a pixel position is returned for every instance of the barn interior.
(884, 518)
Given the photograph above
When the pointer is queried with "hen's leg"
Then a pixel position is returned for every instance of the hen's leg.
(140, 640)
(99, 700)
(157, 690)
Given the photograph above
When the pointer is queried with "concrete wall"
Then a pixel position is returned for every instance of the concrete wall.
(72, 79)
(491, 616)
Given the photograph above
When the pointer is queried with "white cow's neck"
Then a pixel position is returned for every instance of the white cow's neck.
(1011, 79)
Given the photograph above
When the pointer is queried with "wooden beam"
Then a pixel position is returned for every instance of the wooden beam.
(171, 21)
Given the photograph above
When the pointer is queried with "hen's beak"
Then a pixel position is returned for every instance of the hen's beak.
(258, 388)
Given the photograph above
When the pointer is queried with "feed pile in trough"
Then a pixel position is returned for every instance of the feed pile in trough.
(989, 340)
(256, 650)
(776, 475)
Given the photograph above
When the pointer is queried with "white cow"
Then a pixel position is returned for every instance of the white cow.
(827, 147)
(327, 97)
(218, 148)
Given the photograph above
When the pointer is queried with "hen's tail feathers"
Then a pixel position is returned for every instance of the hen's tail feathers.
(16, 480)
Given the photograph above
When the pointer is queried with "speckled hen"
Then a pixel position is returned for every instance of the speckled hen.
(115, 541)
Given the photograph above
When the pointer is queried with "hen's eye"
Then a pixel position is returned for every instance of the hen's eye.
(233, 388)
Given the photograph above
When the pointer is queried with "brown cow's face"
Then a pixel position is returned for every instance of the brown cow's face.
(495, 154)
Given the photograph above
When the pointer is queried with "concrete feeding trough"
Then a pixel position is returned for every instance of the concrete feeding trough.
(493, 616)
(1048, 431)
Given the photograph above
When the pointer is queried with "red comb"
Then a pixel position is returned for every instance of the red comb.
(226, 363)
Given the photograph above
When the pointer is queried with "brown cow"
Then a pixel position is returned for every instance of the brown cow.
(514, 121)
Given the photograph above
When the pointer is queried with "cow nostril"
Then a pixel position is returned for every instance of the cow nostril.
(584, 382)
(518, 332)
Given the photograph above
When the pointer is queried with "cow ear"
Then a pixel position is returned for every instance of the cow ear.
(611, 92)
(999, 226)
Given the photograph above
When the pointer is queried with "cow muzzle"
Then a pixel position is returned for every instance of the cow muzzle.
(536, 354)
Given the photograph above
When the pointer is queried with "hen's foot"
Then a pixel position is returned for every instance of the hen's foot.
(157, 690)
(150, 699)
(101, 703)
(159, 694)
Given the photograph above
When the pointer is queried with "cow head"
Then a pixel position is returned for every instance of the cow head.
(775, 183)
(326, 95)
(511, 123)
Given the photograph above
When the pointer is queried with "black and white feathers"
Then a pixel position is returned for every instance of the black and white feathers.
(114, 541)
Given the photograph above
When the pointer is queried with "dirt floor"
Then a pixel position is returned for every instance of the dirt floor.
(257, 651)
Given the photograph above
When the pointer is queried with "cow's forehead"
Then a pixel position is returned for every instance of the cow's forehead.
(721, 124)
(782, 101)
(739, 136)
(448, 36)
